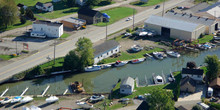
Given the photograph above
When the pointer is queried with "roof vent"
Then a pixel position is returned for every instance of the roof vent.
(198, 17)
(190, 15)
(207, 19)
(175, 13)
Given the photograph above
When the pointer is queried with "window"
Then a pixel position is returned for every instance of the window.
(116, 50)
(122, 90)
(101, 55)
(41, 29)
(112, 51)
(198, 76)
(107, 53)
(98, 57)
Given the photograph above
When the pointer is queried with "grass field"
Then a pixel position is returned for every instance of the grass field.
(129, 56)
(116, 14)
(31, 2)
(16, 25)
(65, 35)
(6, 57)
(204, 39)
(149, 3)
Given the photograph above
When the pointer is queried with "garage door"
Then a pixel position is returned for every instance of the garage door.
(165, 32)
(216, 26)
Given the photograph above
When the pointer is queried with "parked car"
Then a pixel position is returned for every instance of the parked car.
(124, 99)
(213, 99)
(128, 34)
(129, 18)
(157, 6)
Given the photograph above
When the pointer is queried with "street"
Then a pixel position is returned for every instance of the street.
(95, 34)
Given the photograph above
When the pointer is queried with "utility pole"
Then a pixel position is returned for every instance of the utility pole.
(16, 48)
(133, 18)
(54, 52)
(163, 7)
(106, 30)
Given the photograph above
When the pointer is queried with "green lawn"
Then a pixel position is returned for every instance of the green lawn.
(204, 39)
(16, 25)
(149, 3)
(65, 35)
(31, 2)
(7, 57)
(129, 56)
(116, 14)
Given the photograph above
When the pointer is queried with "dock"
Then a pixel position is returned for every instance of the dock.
(45, 90)
(154, 78)
(65, 92)
(24, 91)
(164, 78)
(6, 90)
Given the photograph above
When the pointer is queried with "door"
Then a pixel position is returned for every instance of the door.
(165, 32)
(216, 26)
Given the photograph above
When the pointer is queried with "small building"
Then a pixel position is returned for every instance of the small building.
(172, 28)
(91, 16)
(187, 84)
(105, 50)
(73, 23)
(51, 29)
(81, 2)
(44, 6)
(21, 6)
(56, 0)
(127, 86)
(196, 74)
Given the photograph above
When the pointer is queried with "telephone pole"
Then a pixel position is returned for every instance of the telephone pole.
(133, 18)
(106, 30)
(54, 52)
(163, 7)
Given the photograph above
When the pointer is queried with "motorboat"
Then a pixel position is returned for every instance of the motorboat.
(171, 78)
(143, 33)
(52, 99)
(84, 105)
(217, 42)
(201, 47)
(93, 68)
(26, 99)
(16, 99)
(216, 38)
(35, 108)
(97, 97)
(173, 54)
(137, 60)
(158, 55)
(106, 66)
(120, 63)
(136, 48)
(6, 100)
(149, 56)
(159, 80)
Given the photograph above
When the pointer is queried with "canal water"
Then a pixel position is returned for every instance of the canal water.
(104, 80)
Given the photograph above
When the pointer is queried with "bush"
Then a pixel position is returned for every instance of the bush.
(197, 107)
(23, 20)
(136, 28)
(214, 105)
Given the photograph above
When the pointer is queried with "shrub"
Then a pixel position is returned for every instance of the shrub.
(23, 20)
(25, 51)
(197, 107)
(128, 30)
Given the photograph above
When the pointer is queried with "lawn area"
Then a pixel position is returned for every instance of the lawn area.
(149, 3)
(65, 35)
(129, 56)
(58, 63)
(7, 57)
(116, 14)
(16, 25)
(206, 38)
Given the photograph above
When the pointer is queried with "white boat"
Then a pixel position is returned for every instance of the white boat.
(6, 100)
(216, 38)
(158, 55)
(173, 54)
(16, 99)
(106, 66)
(149, 56)
(136, 48)
(120, 63)
(52, 99)
(97, 97)
(159, 80)
(26, 99)
(137, 60)
(84, 105)
(143, 33)
(93, 68)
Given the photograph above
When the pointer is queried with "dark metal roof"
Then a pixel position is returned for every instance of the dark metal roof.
(197, 7)
(88, 12)
(48, 23)
(106, 46)
(189, 80)
(20, 5)
(210, 7)
(39, 4)
(190, 18)
(192, 71)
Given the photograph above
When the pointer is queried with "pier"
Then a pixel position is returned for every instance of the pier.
(24, 91)
(45, 90)
(6, 90)
(65, 92)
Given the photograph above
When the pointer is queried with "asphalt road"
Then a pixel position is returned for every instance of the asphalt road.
(95, 34)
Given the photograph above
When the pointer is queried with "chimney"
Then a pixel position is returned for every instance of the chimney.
(207, 19)
(198, 17)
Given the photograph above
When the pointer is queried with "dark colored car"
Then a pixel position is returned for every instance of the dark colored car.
(213, 99)
(157, 6)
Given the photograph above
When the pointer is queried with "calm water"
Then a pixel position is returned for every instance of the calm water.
(103, 81)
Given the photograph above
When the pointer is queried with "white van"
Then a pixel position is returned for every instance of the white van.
(38, 34)
(203, 105)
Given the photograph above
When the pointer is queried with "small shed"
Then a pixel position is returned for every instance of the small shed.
(73, 23)
(187, 84)
(127, 86)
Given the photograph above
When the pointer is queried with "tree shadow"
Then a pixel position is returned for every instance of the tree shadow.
(46, 104)
(19, 105)
(71, 11)
(104, 3)
(9, 105)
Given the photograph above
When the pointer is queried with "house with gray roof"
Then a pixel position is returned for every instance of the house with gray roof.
(44, 6)
(196, 74)
(105, 50)
(127, 86)
(187, 84)
(210, 24)
(175, 28)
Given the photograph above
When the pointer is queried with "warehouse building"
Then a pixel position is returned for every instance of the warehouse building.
(73, 23)
(173, 28)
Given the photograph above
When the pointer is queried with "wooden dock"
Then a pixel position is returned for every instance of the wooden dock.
(45, 90)
(24, 91)
(6, 90)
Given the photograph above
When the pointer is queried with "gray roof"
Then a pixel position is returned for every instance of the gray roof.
(213, 10)
(106, 46)
(172, 23)
(48, 23)
(75, 20)
(127, 81)
(189, 80)
(192, 71)
(197, 8)
(210, 7)
(190, 18)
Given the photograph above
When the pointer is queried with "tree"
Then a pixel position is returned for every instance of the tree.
(191, 65)
(29, 13)
(160, 99)
(8, 12)
(22, 11)
(91, 3)
(197, 107)
(85, 51)
(71, 61)
(213, 67)
(71, 3)
(22, 20)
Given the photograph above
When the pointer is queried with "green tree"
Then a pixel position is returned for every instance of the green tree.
(191, 65)
(29, 13)
(213, 67)
(71, 3)
(71, 61)
(160, 99)
(197, 107)
(91, 3)
(8, 12)
(22, 11)
(22, 20)
(85, 51)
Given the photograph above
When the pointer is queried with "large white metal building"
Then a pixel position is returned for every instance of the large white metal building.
(173, 28)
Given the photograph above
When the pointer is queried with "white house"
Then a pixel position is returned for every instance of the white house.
(196, 74)
(44, 6)
(51, 29)
(105, 50)
(80, 2)
(127, 86)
